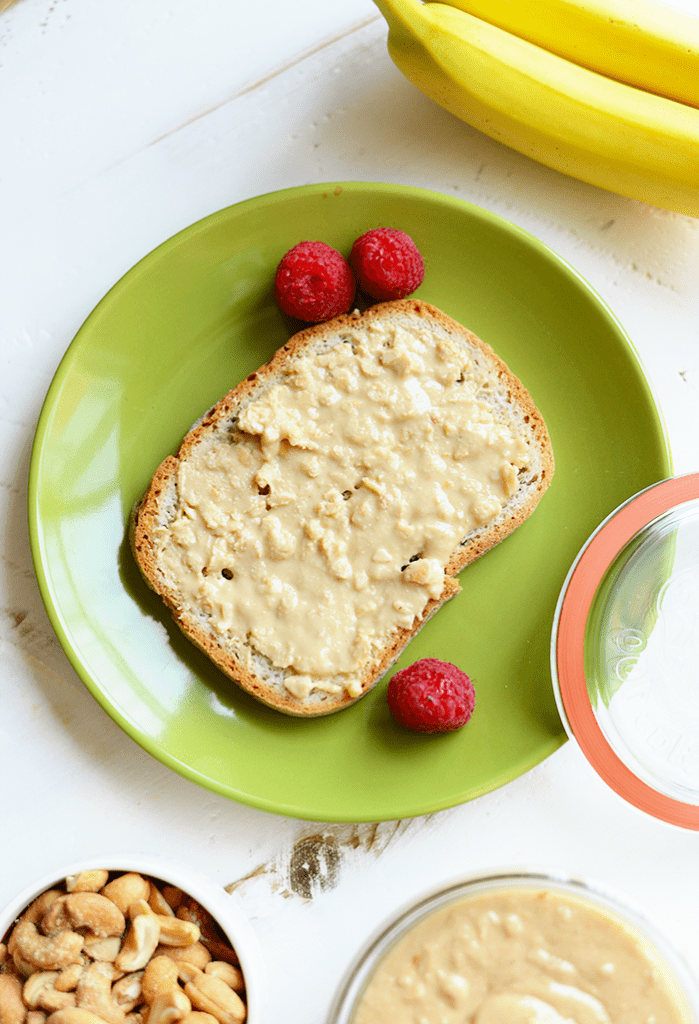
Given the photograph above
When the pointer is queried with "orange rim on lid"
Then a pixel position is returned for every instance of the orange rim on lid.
(568, 648)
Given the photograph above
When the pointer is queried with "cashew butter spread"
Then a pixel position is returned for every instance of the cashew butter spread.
(521, 956)
(327, 522)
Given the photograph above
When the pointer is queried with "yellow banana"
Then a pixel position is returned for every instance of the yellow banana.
(640, 42)
(574, 120)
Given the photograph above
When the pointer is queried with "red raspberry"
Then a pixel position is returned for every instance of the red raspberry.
(387, 264)
(431, 696)
(314, 282)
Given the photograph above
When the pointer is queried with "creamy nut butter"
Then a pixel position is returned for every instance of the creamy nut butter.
(521, 956)
(328, 522)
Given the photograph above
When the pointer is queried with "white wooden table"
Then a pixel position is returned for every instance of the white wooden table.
(121, 124)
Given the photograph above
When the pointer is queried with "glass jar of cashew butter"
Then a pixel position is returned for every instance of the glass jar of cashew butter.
(523, 948)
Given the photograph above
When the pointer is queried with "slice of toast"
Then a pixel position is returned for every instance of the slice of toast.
(315, 518)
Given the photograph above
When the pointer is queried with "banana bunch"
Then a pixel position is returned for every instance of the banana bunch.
(619, 136)
(640, 42)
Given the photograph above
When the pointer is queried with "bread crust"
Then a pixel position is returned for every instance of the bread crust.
(159, 502)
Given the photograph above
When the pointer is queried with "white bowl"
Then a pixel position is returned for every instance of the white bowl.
(212, 897)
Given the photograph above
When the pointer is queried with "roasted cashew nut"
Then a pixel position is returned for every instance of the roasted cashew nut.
(158, 904)
(174, 896)
(87, 881)
(94, 993)
(102, 949)
(212, 995)
(46, 952)
(126, 889)
(127, 992)
(69, 978)
(74, 1015)
(41, 905)
(175, 932)
(166, 1001)
(88, 910)
(232, 976)
(141, 939)
(12, 1008)
(169, 1007)
(159, 976)
(32, 915)
(198, 1017)
(221, 951)
(21, 966)
(40, 992)
(193, 911)
(51, 1000)
(196, 954)
(36, 1017)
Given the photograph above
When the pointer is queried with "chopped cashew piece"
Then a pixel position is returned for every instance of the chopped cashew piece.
(212, 995)
(87, 910)
(87, 881)
(12, 1008)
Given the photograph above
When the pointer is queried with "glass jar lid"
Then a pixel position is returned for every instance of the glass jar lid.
(625, 651)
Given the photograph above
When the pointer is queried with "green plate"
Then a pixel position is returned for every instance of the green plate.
(171, 337)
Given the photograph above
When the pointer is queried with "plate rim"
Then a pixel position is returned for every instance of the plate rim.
(49, 405)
